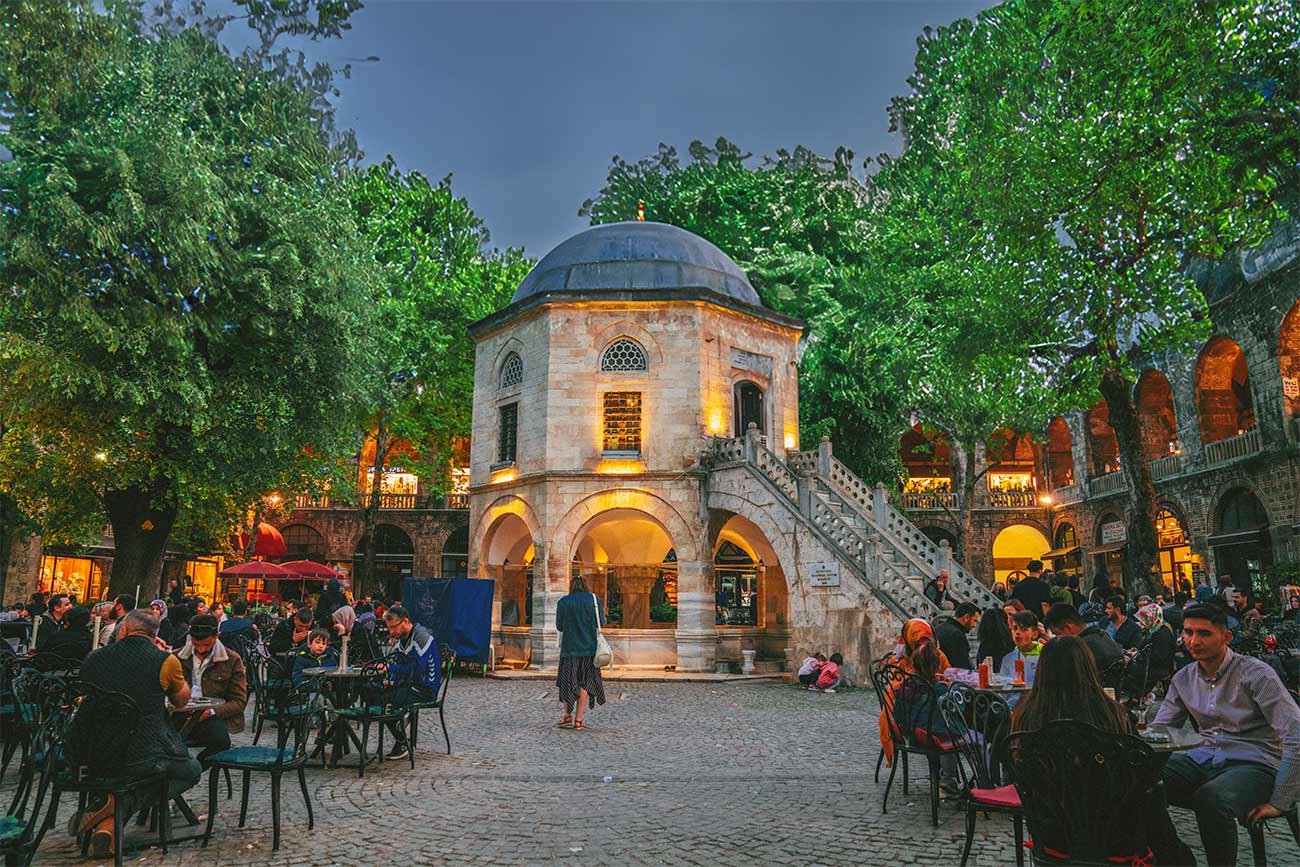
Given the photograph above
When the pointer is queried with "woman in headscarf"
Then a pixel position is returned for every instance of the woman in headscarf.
(158, 608)
(1154, 660)
(364, 646)
(917, 635)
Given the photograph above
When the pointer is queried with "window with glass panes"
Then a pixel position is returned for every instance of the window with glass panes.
(622, 431)
(507, 432)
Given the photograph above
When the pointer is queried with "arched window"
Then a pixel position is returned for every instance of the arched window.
(1223, 393)
(302, 542)
(1060, 454)
(512, 370)
(622, 355)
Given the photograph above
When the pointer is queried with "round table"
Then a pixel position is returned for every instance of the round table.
(1179, 739)
(340, 732)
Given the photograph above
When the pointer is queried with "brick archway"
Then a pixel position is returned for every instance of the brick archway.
(1154, 401)
(1224, 401)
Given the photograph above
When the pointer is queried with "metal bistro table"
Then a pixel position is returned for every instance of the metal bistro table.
(341, 682)
(1167, 740)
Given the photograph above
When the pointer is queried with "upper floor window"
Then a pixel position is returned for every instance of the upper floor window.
(622, 432)
(507, 432)
(512, 370)
(623, 354)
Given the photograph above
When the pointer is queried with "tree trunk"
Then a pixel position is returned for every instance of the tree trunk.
(142, 520)
(8, 531)
(963, 469)
(250, 547)
(1142, 548)
(370, 514)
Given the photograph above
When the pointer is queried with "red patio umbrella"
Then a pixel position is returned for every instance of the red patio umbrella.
(269, 542)
(312, 569)
(258, 569)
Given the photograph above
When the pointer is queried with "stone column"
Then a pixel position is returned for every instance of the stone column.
(634, 585)
(550, 584)
(697, 631)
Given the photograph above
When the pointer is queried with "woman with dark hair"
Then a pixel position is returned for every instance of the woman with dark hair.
(180, 615)
(1068, 687)
(994, 636)
(578, 617)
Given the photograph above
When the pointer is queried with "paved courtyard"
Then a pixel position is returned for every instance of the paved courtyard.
(677, 773)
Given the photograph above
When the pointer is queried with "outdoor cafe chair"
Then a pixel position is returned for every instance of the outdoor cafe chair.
(95, 728)
(289, 755)
(11, 729)
(273, 679)
(385, 696)
(20, 835)
(911, 711)
(977, 722)
(887, 659)
(37, 696)
(1085, 793)
(1256, 832)
(440, 701)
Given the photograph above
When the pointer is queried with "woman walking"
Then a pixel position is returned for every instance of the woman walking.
(578, 617)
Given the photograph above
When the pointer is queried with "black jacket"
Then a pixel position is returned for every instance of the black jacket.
(1105, 652)
(1128, 634)
(953, 642)
(71, 643)
(1033, 592)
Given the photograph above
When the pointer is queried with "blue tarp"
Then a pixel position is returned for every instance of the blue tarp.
(457, 611)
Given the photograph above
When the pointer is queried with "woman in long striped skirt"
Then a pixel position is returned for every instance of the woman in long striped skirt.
(578, 617)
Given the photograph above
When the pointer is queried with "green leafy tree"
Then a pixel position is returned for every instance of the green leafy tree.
(1097, 147)
(795, 222)
(187, 312)
(438, 276)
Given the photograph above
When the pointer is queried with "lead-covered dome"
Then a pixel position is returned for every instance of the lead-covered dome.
(637, 255)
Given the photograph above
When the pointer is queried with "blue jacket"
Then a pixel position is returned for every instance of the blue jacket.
(422, 654)
(304, 660)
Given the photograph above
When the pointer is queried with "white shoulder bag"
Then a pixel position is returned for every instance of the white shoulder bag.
(604, 656)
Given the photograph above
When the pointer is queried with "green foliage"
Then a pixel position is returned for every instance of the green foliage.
(664, 612)
(1282, 574)
(186, 297)
(797, 224)
(438, 277)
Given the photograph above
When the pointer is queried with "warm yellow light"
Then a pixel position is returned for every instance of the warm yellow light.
(1046, 500)
(790, 441)
(716, 423)
(274, 499)
(101, 456)
(500, 476)
(619, 468)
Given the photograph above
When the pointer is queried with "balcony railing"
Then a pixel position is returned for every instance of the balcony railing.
(921, 500)
(1013, 499)
(1233, 448)
(391, 501)
(1166, 467)
(1066, 494)
(1110, 483)
(307, 501)
(457, 501)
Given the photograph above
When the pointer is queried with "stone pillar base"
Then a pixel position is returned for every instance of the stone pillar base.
(697, 649)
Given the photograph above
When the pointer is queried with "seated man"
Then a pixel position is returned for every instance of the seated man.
(291, 632)
(213, 671)
(1063, 619)
(422, 654)
(1247, 767)
(74, 640)
(238, 623)
(140, 665)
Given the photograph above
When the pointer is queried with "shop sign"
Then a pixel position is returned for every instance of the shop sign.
(1291, 386)
(824, 574)
(1112, 532)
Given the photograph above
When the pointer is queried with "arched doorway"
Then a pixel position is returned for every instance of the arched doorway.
(752, 601)
(1060, 454)
(1288, 359)
(749, 408)
(1155, 407)
(455, 554)
(629, 561)
(394, 560)
(507, 558)
(1065, 556)
(1241, 547)
(1108, 551)
(1013, 548)
(1224, 401)
(303, 542)
(1103, 447)
(1175, 554)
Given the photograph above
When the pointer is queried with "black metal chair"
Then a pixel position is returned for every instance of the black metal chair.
(1085, 792)
(272, 680)
(95, 732)
(288, 708)
(916, 727)
(887, 659)
(37, 697)
(20, 836)
(1256, 833)
(977, 722)
(439, 701)
(10, 725)
(385, 697)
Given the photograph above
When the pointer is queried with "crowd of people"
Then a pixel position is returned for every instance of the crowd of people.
(1176, 658)
(177, 650)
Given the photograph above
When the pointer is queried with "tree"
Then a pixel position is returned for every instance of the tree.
(1098, 147)
(186, 316)
(796, 223)
(438, 277)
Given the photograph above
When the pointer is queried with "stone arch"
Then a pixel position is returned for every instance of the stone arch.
(306, 547)
(507, 504)
(722, 506)
(627, 328)
(586, 511)
(1103, 447)
(757, 594)
(1154, 400)
(1230, 495)
(512, 346)
(1014, 546)
(1288, 359)
(1224, 402)
(1060, 454)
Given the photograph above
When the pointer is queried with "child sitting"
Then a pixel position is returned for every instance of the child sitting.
(317, 654)
(808, 670)
(828, 676)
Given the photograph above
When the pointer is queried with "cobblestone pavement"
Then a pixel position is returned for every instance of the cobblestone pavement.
(697, 774)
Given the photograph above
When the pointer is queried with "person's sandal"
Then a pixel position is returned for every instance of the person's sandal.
(566, 723)
(578, 726)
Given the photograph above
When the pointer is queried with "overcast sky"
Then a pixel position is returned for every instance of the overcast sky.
(525, 103)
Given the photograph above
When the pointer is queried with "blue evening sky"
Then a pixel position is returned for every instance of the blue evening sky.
(525, 103)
